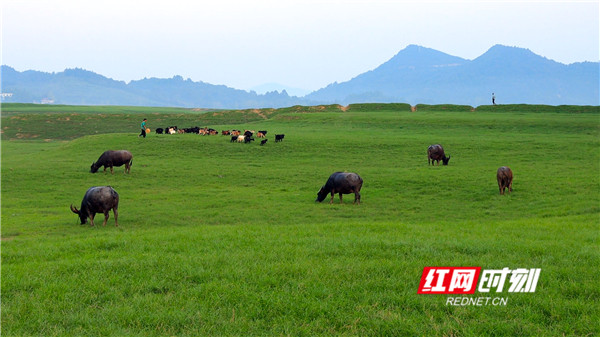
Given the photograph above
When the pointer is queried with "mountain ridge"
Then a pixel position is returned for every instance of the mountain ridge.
(415, 75)
(515, 74)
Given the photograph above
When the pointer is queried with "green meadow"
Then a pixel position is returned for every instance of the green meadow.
(225, 239)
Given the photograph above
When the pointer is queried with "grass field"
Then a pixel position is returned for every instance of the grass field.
(225, 239)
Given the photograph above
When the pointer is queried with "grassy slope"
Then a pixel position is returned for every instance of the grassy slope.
(225, 239)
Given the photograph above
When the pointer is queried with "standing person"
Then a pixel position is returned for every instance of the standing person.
(143, 126)
(493, 99)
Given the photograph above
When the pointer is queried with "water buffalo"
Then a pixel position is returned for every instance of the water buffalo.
(436, 153)
(113, 158)
(342, 183)
(99, 199)
(505, 178)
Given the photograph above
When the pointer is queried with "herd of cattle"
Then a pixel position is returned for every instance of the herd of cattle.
(101, 199)
(236, 135)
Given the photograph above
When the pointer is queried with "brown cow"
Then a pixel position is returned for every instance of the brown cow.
(505, 178)
(436, 153)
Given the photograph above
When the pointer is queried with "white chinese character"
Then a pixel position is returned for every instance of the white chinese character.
(493, 278)
(462, 279)
(440, 280)
(524, 280)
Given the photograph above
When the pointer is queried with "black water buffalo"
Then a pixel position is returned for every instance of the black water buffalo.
(263, 142)
(505, 178)
(99, 199)
(342, 183)
(436, 153)
(113, 158)
(159, 131)
(279, 138)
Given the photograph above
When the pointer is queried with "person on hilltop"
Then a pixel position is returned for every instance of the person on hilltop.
(143, 126)
(493, 99)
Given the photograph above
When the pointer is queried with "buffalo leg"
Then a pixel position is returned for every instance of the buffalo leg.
(357, 197)
(92, 218)
(105, 218)
(111, 170)
(341, 201)
(332, 195)
(116, 214)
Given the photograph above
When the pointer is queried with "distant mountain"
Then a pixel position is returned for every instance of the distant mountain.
(78, 86)
(270, 87)
(516, 75)
(416, 75)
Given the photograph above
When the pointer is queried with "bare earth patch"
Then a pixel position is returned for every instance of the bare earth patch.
(26, 135)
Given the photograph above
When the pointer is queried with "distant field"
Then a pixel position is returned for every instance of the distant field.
(220, 238)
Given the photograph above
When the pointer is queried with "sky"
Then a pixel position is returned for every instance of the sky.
(305, 44)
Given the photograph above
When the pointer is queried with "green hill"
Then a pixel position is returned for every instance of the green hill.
(222, 238)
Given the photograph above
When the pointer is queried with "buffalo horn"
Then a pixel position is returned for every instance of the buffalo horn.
(74, 210)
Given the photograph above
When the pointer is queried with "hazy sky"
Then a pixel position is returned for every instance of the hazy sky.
(300, 43)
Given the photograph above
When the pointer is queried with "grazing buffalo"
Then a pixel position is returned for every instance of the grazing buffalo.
(505, 178)
(342, 183)
(159, 131)
(263, 142)
(113, 158)
(279, 138)
(436, 153)
(99, 199)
